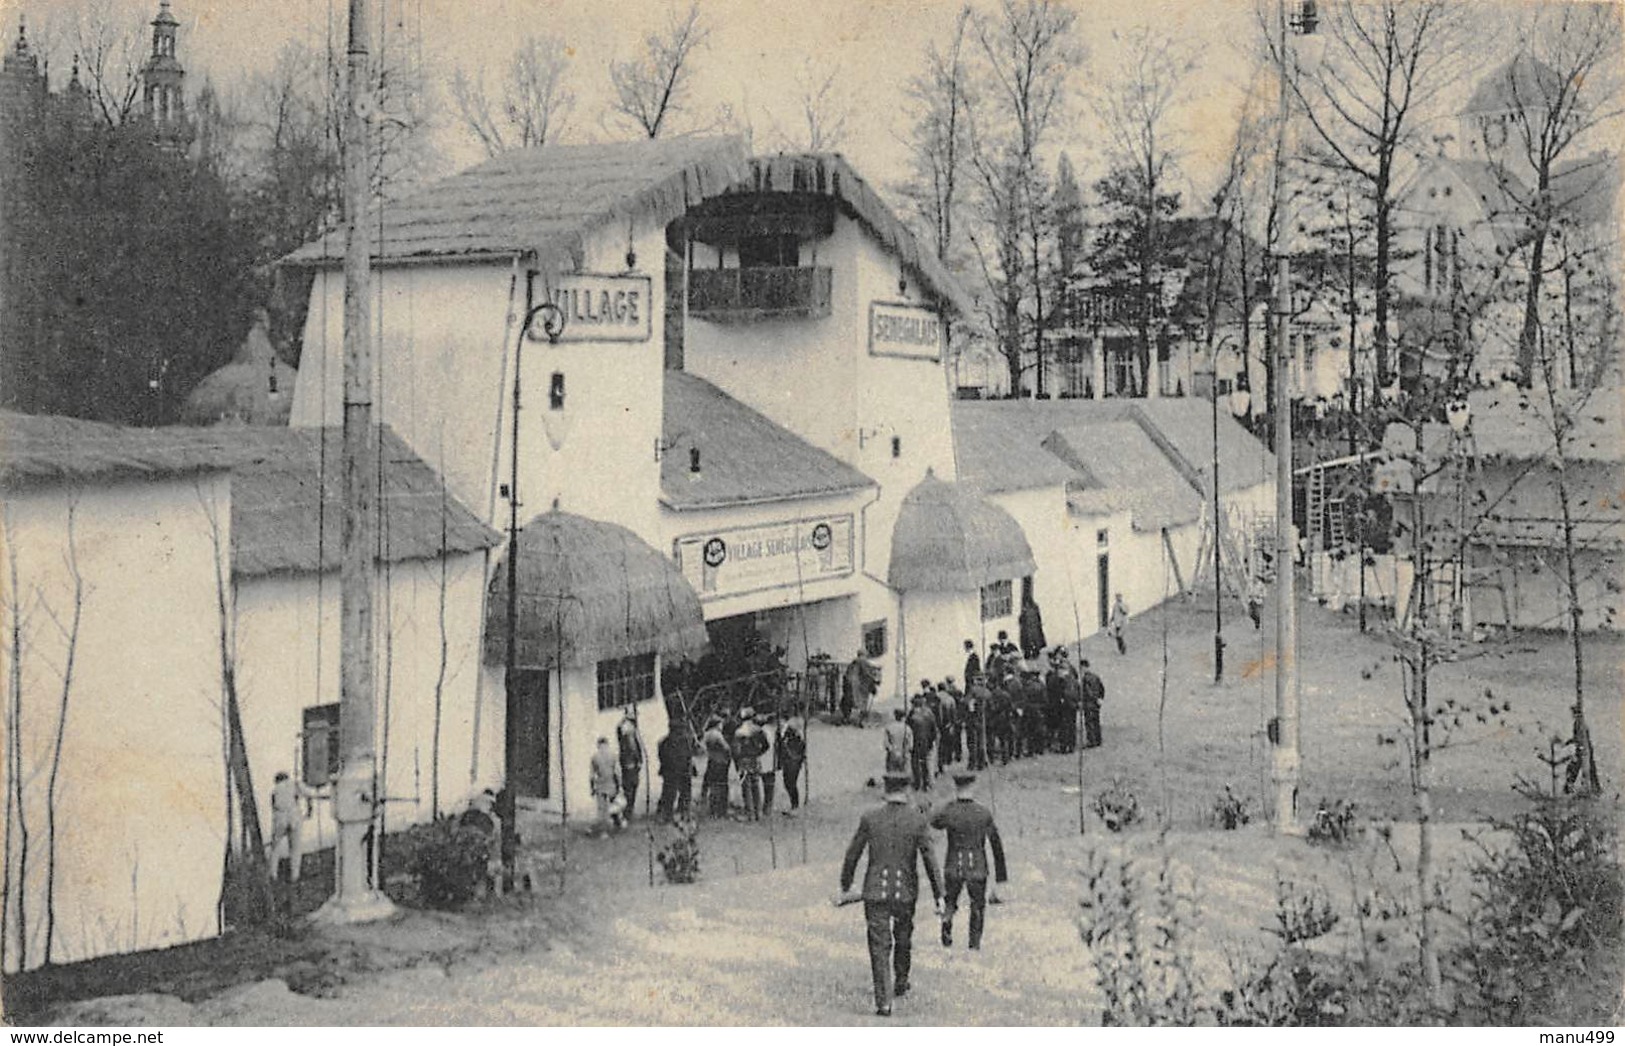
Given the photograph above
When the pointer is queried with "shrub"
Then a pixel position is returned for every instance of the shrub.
(1140, 942)
(449, 861)
(1543, 903)
(1117, 806)
(1231, 811)
(1302, 914)
(1334, 822)
(680, 857)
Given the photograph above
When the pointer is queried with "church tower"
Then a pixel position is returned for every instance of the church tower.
(162, 100)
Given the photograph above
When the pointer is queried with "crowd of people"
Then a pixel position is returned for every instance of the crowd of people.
(1012, 707)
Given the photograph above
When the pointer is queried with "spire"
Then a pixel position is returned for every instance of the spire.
(21, 58)
(162, 99)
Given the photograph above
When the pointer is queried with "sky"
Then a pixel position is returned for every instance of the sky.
(756, 50)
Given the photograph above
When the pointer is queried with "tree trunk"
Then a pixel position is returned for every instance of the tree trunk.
(1528, 336)
(1381, 279)
(1582, 774)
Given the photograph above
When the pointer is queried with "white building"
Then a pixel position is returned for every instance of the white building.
(116, 587)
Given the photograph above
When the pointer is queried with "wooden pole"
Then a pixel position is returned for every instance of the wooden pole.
(355, 897)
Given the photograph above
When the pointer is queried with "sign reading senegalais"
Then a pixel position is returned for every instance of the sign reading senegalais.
(774, 555)
(601, 308)
(904, 330)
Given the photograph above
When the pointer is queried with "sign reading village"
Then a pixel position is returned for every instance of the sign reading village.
(773, 555)
(601, 308)
(904, 330)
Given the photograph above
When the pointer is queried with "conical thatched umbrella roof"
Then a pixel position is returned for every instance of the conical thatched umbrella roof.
(590, 591)
(947, 539)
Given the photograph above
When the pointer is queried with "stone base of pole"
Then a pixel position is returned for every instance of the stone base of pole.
(354, 899)
(1284, 772)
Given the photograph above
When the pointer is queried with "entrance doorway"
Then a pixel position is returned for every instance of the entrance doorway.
(1103, 588)
(532, 777)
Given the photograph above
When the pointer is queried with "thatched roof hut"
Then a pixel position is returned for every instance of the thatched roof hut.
(947, 539)
(255, 388)
(590, 591)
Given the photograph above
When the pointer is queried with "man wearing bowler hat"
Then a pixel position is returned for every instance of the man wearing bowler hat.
(970, 830)
(896, 836)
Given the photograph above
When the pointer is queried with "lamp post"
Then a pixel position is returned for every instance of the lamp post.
(508, 802)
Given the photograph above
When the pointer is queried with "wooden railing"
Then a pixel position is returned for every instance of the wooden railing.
(774, 292)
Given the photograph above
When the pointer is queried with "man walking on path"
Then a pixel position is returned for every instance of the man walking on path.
(792, 757)
(718, 757)
(923, 724)
(899, 743)
(1118, 622)
(971, 831)
(630, 743)
(749, 744)
(896, 837)
(1094, 692)
(676, 754)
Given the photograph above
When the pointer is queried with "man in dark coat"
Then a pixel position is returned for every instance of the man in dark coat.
(973, 663)
(676, 755)
(977, 696)
(897, 837)
(971, 831)
(792, 756)
(629, 741)
(1031, 627)
(1094, 692)
(922, 723)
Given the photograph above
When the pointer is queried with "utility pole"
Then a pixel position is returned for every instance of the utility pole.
(1287, 762)
(356, 897)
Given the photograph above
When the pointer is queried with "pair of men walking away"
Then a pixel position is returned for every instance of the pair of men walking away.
(897, 838)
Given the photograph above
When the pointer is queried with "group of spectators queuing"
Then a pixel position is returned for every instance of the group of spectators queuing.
(1012, 707)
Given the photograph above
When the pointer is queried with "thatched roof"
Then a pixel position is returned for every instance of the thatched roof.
(590, 591)
(744, 457)
(287, 503)
(947, 539)
(36, 449)
(255, 388)
(828, 174)
(545, 202)
(1148, 456)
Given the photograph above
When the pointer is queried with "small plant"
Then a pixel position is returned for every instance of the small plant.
(680, 857)
(1231, 811)
(1302, 914)
(1141, 941)
(1333, 822)
(449, 861)
(1117, 806)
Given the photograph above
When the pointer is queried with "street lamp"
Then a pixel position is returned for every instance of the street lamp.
(552, 318)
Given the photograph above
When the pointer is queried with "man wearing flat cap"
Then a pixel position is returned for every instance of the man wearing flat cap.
(896, 836)
(970, 830)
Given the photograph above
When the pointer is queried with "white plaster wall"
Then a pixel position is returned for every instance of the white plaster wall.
(288, 660)
(443, 379)
(141, 807)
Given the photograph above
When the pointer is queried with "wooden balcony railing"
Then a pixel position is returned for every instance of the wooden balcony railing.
(744, 295)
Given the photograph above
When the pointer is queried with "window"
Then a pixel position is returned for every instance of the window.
(1101, 538)
(625, 680)
(763, 251)
(996, 601)
(874, 638)
(319, 744)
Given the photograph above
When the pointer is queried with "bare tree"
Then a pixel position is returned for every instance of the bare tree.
(70, 636)
(534, 103)
(1028, 52)
(1135, 106)
(824, 104)
(1561, 87)
(1384, 61)
(658, 84)
(939, 97)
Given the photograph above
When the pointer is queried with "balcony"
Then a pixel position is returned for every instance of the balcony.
(763, 293)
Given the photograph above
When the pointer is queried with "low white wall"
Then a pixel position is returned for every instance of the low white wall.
(140, 803)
